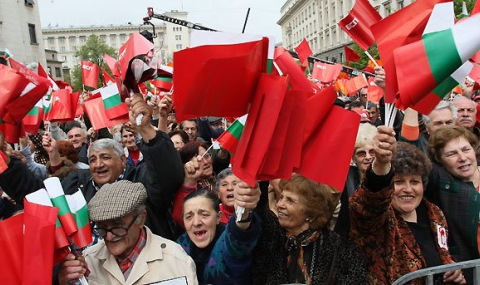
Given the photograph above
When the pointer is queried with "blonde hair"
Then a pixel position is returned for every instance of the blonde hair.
(365, 135)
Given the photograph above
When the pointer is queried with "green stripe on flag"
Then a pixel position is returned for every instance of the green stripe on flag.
(236, 129)
(164, 79)
(112, 101)
(269, 66)
(61, 203)
(34, 111)
(440, 48)
(58, 224)
(445, 87)
(81, 217)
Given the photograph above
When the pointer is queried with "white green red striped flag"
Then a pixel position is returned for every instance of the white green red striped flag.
(33, 119)
(440, 52)
(229, 139)
(57, 196)
(7, 54)
(78, 206)
(114, 107)
(41, 197)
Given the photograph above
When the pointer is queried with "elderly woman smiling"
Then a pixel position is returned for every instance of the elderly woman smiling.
(397, 230)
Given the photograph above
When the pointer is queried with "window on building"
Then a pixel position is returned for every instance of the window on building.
(29, 3)
(62, 48)
(58, 72)
(53, 56)
(103, 38)
(61, 40)
(113, 37)
(400, 4)
(83, 39)
(123, 37)
(388, 8)
(51, 40)
(178, 37)
(180, 29)
(33, 34)
(179, 46)
(72, 39)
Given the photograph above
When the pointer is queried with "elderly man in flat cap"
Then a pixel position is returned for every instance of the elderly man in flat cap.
(129, 253)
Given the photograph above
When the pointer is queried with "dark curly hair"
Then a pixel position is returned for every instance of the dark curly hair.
(409, 160)
(190, 150)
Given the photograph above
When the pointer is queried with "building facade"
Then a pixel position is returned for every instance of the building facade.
(20, 31)
(67, 41)
(54, 65)
(317, 22)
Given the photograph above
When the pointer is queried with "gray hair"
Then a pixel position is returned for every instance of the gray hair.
(440, 106)
(222, 175)
(107, 144)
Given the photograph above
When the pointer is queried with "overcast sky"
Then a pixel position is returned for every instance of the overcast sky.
(222, 15)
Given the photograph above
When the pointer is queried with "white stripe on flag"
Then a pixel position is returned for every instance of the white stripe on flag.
(39, 197)
(54, 187)
(442, 18)
(467, 36)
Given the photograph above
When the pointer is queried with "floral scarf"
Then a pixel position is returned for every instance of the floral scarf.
(297, 266)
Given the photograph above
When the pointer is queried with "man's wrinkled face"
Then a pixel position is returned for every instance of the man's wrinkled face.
(105, 165)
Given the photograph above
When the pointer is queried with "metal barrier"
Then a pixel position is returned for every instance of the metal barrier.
(428, 273)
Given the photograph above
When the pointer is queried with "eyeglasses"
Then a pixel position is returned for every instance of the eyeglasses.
(206, 156)
(364, 95)
(363, 154)
(117, 231)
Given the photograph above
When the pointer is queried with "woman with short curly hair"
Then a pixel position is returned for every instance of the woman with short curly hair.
(396, 228)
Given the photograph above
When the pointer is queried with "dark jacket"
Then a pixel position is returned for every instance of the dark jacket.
(270, 264)
(460, 202)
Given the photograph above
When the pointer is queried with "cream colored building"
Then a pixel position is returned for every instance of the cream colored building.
(20, 31)
(67, 41)
(54, 65)
(317, 22)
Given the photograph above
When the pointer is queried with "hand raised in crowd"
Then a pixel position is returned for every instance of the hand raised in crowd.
(165, 105)
(71, 268)
(193, 170)
(137, 106)
(385, 145)
(380, 77)
(48, 143)
(455, 277)
(246, 196)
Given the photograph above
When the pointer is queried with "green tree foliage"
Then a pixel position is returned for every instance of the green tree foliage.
(457, 6)
(93, 51)
(362, 63)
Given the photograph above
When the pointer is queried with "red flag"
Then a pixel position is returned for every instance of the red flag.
(63, 85)
(475, 9)
(11, 239)
(259, 128)
(11, 84)
(303, 51)
(90, 73)
(351, 55)
(96, 113)
(112, 64)
(321, 159)
(287, 65)
(358, 22)
(223, 76)
(64, 106)
(375, 93)
(12, 132)
(27, 246)
(107, 79)
(52, 83)
(355, 84)
(326, 73)
(38, 243)
(284, 152)
(317, 108)
(400, 28)
(19, 107)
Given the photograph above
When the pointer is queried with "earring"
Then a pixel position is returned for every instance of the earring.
(308, 220)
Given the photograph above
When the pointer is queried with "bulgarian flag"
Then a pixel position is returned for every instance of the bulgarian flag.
(78, 206)
(114, 107)
(32, 120)
(57, 196)
(439, 54)
(7, 54)
(163, 83)
(61, 241)
(229, 139)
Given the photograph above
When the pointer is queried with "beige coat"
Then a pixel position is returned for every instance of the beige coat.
(160, 260)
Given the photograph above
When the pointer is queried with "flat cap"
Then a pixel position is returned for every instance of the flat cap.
(116, 200)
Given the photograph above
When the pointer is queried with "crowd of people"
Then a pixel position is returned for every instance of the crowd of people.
(163, 203)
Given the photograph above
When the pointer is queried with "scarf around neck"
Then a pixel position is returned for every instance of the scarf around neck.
(296, 264)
